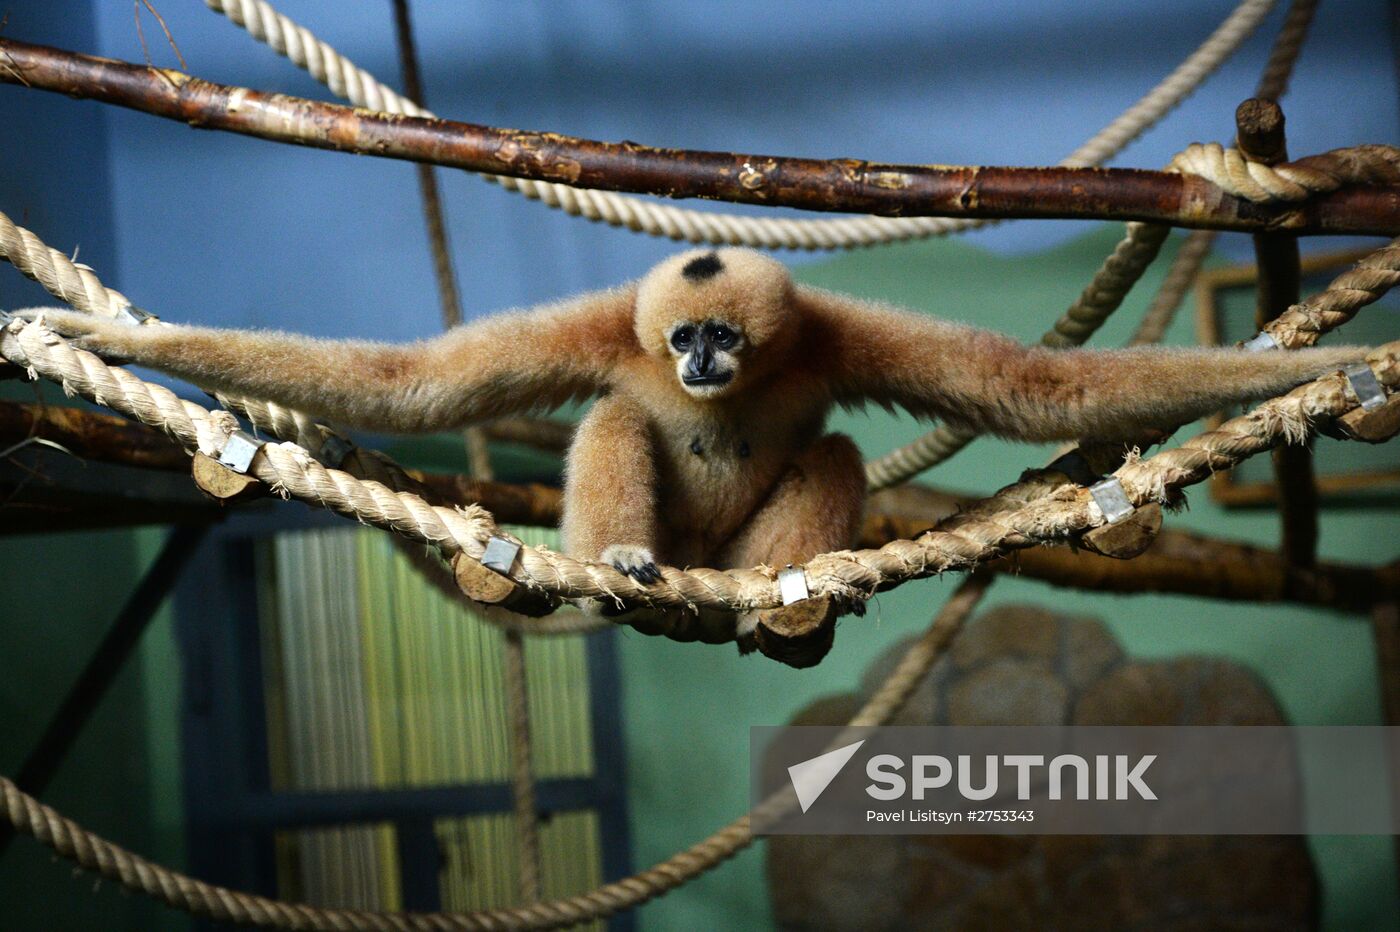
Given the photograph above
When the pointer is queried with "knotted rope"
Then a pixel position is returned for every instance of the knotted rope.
(1229, 170)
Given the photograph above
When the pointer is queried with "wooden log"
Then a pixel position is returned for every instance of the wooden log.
(542, 433)
(800, 634)
(847, 185)
(488, 587)
(1127, 538)
(223, 484)
(1376, 426)
(91, 435)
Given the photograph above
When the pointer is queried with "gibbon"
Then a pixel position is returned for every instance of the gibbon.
(716, 374)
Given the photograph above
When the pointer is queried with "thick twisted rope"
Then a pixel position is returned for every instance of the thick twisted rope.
(345, 79)
(181, 891)
(848, 576)
(79, 285)
(1304, 323)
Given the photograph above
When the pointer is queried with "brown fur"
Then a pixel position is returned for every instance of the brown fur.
(766, 486)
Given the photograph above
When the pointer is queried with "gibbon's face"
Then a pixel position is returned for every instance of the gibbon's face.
(707, 355)
(719, 316)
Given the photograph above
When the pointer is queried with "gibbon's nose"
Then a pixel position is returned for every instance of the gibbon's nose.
(702, 360)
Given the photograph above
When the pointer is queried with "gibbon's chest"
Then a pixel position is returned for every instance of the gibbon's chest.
(714, 472)
(713, 475)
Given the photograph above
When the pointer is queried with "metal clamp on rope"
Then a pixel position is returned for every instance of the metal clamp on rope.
(792, 584)
(334, 449)
(1261, 342)
(500, 555)
(239, 450)
(1111, 499)
(131, 314)
(1365, 386)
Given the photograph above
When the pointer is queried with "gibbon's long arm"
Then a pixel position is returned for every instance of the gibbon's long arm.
(990, 383)
(519, 361)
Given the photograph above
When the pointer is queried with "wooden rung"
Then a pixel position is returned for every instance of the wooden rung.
(488, 587)
(1129, 537)
(223, 484)
(800, 634)
(1376, 426)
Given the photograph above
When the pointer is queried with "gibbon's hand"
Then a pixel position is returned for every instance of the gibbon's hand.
(100, 335)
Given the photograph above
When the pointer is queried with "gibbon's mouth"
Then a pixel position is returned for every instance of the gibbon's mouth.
(721, 378)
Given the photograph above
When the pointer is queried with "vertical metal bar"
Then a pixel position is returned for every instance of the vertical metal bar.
(223, 724)
(609, 762)
(420, 864)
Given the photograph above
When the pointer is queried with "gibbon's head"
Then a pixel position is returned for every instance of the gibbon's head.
(722, 316)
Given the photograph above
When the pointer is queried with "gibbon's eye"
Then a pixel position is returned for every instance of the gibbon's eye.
(721, 335)
(683, 337)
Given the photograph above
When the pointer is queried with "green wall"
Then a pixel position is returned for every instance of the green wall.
(689, 707)
(121, 779)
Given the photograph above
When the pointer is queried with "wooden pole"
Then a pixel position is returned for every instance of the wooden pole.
(844, 185)
(1260, 136)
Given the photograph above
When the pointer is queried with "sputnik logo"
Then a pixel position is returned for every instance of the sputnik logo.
(811, 777)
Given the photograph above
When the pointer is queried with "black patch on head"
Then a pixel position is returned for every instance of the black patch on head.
(703, 267)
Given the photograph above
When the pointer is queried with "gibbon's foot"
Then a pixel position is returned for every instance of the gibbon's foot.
(799, 635)
(636, 562)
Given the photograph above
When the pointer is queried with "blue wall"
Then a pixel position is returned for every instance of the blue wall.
(230, 230)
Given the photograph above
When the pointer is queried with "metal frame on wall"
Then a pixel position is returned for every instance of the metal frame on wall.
(232, 812)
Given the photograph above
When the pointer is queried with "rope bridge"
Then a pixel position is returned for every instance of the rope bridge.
(1004, 522)
(320, 467)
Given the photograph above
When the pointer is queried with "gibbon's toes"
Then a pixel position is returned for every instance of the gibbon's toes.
(636, 562)
(646, 574)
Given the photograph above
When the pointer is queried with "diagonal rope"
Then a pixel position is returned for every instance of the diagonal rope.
(345, 79)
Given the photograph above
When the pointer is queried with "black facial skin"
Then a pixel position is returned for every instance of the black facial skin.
(701, 343)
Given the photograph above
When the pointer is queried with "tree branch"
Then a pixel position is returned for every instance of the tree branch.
(843, 185)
